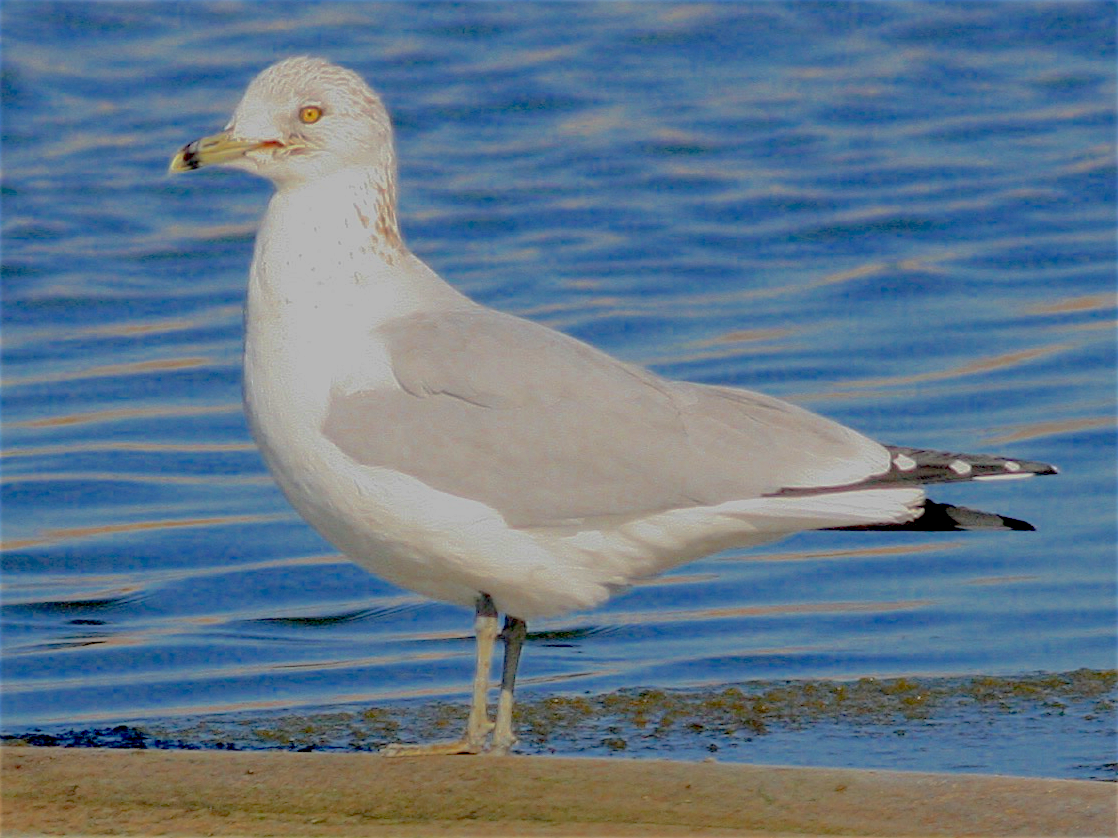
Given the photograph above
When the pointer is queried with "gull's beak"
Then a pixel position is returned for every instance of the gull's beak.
(220, 148)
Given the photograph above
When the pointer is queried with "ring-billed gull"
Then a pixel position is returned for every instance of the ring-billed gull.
(483, 459)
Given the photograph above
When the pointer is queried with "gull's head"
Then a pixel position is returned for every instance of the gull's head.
(300, 120)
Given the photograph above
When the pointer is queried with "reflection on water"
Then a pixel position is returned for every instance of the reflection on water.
(703, 614)
(902, 217)
(1036, 430)
(118, 414)
(81, 533)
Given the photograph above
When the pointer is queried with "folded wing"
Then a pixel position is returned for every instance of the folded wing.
(544, 428)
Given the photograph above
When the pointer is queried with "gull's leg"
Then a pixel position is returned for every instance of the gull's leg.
(478, 726)
(503, 737)
(485, 628)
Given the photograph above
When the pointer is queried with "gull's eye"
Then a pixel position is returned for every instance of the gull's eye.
(310, 114)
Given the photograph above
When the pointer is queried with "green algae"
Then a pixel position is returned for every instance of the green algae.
(632, 718)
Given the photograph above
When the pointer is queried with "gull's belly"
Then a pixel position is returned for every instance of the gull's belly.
(398, 528)
(370, 514)
(402, 530)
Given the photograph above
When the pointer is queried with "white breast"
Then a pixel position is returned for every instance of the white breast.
(311, 330)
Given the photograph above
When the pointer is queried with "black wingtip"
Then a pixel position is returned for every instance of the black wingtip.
(1016, 524)
(923, 465)
(943, 517)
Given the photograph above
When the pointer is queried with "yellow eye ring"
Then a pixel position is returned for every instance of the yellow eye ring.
(310, 114)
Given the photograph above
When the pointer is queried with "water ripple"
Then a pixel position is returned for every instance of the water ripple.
(899, 214)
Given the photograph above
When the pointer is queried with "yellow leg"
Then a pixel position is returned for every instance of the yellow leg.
(478, 725)
(503, 737)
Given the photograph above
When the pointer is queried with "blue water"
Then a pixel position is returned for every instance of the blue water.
(900, 215)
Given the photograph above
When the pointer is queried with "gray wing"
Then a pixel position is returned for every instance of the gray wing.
(544, 428)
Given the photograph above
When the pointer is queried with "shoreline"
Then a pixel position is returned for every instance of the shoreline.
(76, 791)
(904, 724)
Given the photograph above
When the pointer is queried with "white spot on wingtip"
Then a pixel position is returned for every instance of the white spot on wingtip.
(1011, 466)
(904, 463)
(960, 467)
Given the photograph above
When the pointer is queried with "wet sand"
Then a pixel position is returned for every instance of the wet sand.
(59, 791)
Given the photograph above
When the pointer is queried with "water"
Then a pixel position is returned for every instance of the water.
(899, 215)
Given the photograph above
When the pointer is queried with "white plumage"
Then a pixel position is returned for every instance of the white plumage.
(482, 459)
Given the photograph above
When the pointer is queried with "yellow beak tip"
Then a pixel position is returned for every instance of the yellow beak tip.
(187, 159)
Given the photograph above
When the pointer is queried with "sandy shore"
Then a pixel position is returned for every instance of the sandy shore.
(55, 791)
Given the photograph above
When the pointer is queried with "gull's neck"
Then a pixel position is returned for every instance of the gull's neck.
(350, 212)
(335, 242)
(329, 269)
